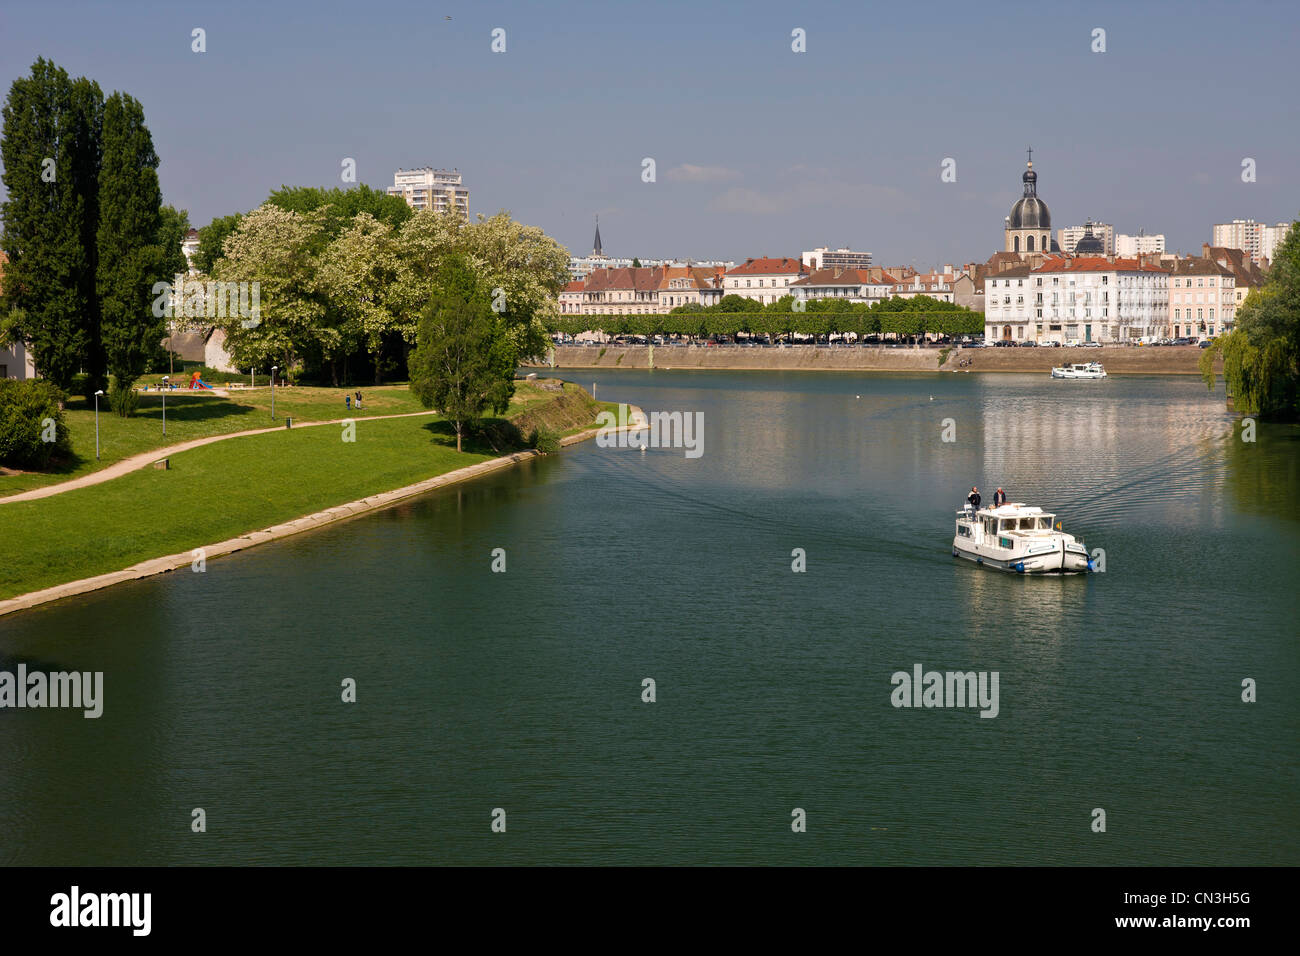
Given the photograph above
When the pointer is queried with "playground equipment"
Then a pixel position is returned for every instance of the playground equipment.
(197, 383)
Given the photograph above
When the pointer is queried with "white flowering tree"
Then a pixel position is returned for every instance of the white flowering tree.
(272, 247)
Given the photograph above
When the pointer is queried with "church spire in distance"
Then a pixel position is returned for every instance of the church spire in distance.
(596, 248)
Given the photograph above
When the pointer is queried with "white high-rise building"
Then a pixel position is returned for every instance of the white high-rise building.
(1271, 238)
(824, 257)
(1068, 238)
(429, 188)
(1139, 245)
(1257, 239)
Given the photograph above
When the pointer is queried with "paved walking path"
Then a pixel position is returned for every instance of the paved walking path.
(143, 460)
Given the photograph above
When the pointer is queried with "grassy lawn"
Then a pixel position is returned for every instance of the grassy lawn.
(226, 489)
(197, 415)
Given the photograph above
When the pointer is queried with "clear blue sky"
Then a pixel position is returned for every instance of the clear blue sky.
(759, 150)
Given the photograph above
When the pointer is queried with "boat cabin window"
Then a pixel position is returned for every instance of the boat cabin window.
(963, 531)
(1045, 523)
(1026, 524)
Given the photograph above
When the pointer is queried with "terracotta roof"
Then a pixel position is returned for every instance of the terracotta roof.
(765, 266)
(836, 277)
(1098, 264)
(628, 279)
(1015, 272)
(1246, 271)
(575, 286)
(1199, 267)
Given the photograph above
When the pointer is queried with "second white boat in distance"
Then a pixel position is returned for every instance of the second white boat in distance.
(1018, 538)
(1080, 370)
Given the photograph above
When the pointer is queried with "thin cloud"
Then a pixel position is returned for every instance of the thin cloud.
(690, 173)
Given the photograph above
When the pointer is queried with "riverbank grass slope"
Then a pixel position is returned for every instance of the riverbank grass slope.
(244, 484)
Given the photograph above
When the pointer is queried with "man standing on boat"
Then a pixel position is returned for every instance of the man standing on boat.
(999, 498)
(973, 499)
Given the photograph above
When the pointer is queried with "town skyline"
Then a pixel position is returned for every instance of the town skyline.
(758, 149)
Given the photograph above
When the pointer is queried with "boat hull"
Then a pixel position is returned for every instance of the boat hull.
(1070, 374)
(1064, 560)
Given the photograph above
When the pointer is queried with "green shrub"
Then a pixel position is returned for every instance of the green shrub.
(546, 440)
(124, 401)
(33, 433)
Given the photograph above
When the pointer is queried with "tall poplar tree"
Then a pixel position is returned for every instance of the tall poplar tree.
(131, 256)
(50, 150)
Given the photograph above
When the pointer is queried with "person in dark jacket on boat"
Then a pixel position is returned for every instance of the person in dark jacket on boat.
(999, 498)
(973, 499)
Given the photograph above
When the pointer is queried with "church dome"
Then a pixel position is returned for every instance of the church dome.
(1030, 212)
(1089, 245)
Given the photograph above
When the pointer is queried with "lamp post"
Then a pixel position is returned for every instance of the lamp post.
(97, 394)
(274, 369)
(165, 380)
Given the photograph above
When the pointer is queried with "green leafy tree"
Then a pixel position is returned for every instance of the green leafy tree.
(131, 257)
(358, 272)
(211, 239)
(733, 303)
(342, 206)
(273, 247)
(1261, 355)
(171, 234)
(521, 268)
(464, 362)
(50, 150)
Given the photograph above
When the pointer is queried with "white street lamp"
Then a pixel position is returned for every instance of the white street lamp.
(274, 369)
(165, 380)
(97, 394)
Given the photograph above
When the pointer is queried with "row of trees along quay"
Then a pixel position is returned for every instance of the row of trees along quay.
(735, 315)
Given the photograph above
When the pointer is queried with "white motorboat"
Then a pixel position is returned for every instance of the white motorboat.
(1080, 370)
(1018, 538)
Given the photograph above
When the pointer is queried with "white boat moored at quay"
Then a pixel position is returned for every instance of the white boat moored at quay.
(1018, 538)
(1080, 370)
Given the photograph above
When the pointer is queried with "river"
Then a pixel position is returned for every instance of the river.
(522, 690)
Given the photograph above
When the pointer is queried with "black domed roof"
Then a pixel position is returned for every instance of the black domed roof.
(1030, 213)
(1089, 245)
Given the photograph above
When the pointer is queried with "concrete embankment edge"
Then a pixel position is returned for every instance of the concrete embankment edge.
(298, 525)
(1164, 360)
